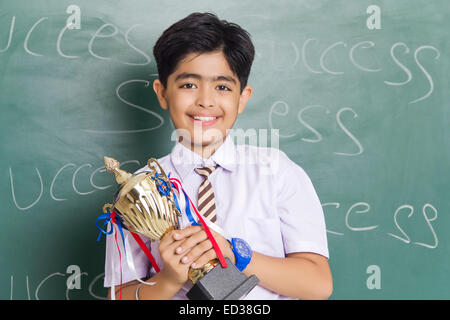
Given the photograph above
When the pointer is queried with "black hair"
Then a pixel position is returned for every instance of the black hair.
(201, 33)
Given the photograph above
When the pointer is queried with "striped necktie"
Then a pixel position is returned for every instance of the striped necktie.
(206, 204)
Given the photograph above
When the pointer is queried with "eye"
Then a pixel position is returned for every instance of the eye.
(188, 86)
(223, 88)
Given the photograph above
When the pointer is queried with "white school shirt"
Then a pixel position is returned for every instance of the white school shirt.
(261, 196)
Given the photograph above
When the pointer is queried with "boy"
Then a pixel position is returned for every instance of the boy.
(203, 65)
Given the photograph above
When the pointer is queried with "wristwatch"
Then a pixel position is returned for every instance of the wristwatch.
(242, 253)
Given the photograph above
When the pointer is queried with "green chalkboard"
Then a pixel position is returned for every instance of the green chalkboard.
(357, 89)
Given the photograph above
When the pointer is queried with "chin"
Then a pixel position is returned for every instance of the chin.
(204, 143)
(207, 141)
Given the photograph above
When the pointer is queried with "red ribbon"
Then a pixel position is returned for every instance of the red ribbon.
(146, 250)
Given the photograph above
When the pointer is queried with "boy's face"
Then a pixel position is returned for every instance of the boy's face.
(203, 98)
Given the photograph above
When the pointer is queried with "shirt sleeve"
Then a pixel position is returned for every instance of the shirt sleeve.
(301, 216)
(116, 264)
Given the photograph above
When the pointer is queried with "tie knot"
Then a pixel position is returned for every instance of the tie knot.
(205, 171)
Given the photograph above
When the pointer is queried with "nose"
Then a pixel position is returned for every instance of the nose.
(205, 97)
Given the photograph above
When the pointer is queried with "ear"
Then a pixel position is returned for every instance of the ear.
(160, 93)
(245, 95)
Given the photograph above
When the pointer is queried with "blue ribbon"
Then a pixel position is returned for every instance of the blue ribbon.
(164, 190)
(188, 211)
(107, 217)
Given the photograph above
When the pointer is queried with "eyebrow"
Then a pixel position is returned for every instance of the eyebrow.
(186, 75)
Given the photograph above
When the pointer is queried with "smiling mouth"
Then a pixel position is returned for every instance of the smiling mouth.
(204, 121)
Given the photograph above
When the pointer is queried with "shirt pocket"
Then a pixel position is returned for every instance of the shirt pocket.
(264, 235)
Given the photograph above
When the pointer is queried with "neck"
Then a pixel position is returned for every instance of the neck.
(205, 151)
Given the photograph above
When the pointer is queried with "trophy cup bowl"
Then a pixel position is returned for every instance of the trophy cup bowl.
(145, 203)
(139, 203)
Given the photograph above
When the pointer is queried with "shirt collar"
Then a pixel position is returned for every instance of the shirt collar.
(185, 161)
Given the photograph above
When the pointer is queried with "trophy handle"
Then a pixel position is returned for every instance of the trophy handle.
(153, 171)
(108, 207)
(150, 163)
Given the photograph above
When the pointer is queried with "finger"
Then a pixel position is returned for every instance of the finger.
(167, 240)
(197, 251)
(217, 236)
(168, 253)
(186, 232)
(191, 241)
(204, 259)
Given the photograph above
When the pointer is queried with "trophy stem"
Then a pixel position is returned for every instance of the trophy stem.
(196, 274)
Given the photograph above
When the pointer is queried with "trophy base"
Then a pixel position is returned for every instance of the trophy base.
(223, 284)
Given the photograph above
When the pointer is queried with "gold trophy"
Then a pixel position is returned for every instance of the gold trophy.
(145, 210)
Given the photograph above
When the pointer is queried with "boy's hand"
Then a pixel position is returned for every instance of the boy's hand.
(174, 272)
(196, 249)
(190, 247)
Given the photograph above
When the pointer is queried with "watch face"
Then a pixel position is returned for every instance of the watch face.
(243, 248)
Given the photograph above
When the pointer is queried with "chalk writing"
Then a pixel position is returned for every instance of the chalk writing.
(159, 117)
(323, 69)
(364, 207)
(73, 27)
(66, 285)
(284, 112)
(298, 55)
(54, 180)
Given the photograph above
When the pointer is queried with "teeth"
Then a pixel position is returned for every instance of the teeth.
(204, 118)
